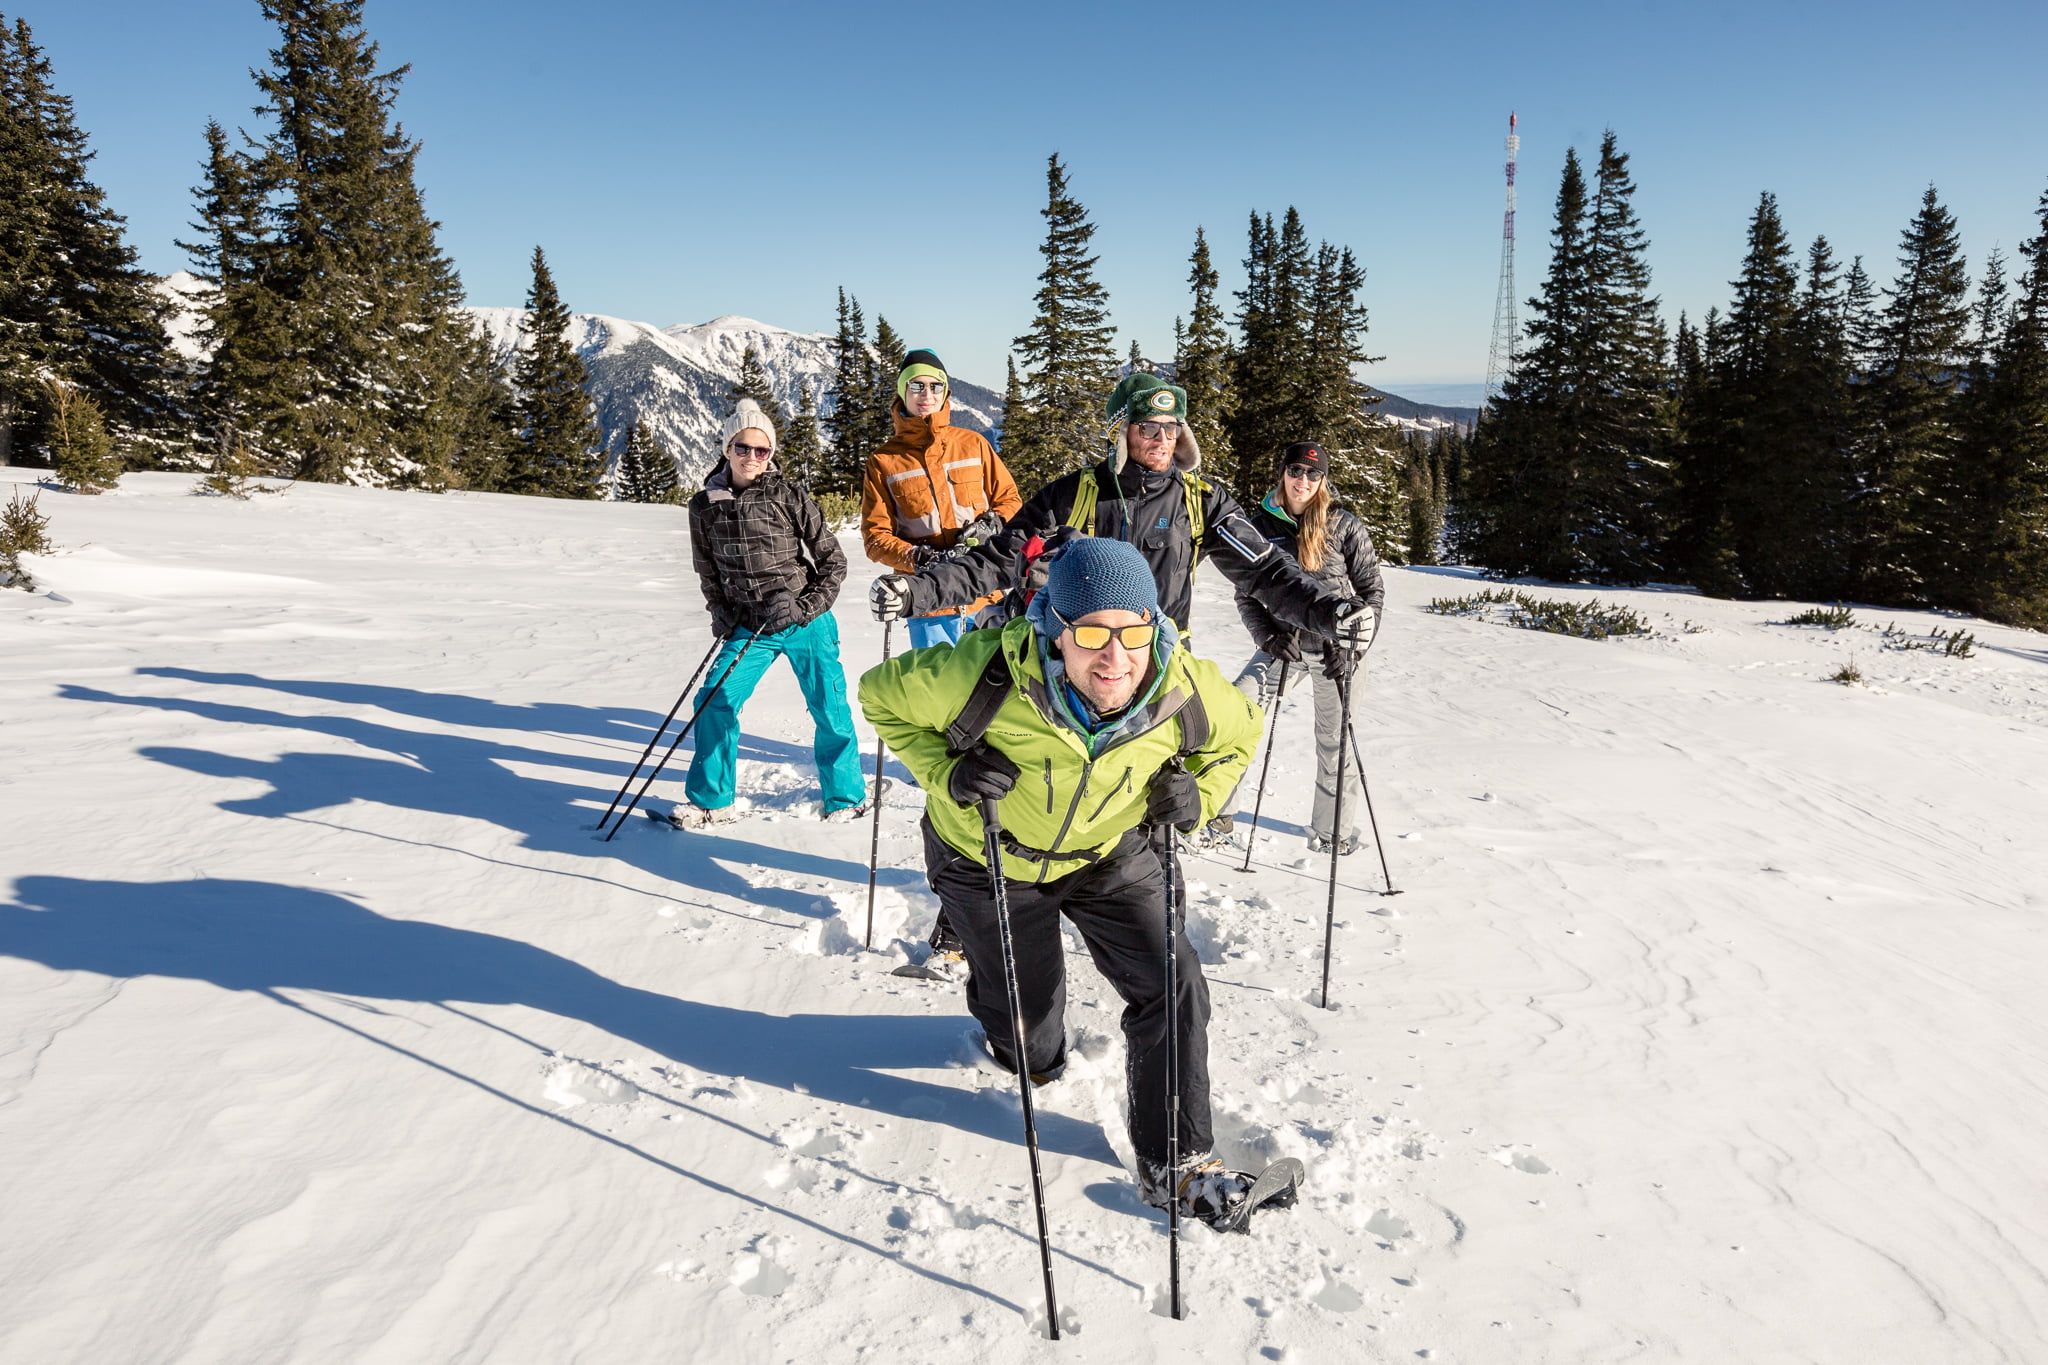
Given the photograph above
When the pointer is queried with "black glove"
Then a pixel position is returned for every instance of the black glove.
(1176, 800)
(921, 555)
(1338, 664)
(987, 526)
(890, 597)
(1285, 646)
(982, 774)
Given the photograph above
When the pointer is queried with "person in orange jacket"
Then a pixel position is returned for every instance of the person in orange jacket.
(931, 487)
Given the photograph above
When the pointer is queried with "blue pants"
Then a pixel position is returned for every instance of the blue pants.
(926, 631)
(813, 652)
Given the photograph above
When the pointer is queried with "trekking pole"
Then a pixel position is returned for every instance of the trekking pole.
(992, 849)
(1258, 804)
(676, 743)
(661, 729)
(1376, 841)
(1170, 861)
(1336, 833)
(875, 830)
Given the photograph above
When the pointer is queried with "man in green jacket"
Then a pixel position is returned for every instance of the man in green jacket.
(1106, 730)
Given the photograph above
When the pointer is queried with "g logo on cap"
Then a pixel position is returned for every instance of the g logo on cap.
(1163, 399)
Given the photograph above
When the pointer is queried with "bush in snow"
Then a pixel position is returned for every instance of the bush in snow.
(24, 530)
(76, 436)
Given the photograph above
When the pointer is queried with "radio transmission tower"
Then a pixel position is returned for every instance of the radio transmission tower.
(1500, 357)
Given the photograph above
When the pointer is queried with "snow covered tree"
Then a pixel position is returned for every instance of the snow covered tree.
(801, 453)
(1202, 360)
(1016, 425)
(73, 305)
(646, 471)
(1269, 367)
(1069, 360)
(560, 453)
(75, 434)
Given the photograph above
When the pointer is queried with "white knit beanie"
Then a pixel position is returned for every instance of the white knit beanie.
(747, 414)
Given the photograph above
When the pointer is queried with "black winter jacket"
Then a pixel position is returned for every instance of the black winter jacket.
(765, 556)
(1351, 568)
(1148, 509)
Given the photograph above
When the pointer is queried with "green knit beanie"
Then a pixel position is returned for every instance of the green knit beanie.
(920, 364)
(1140, 395)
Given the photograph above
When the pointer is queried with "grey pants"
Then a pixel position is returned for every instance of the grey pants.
(1260, 677)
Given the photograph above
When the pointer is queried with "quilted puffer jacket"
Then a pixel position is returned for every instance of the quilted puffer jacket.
(764, 555)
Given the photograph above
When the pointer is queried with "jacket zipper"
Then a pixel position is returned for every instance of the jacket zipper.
(1048, 786)
(1114, 792)
(1068, 823)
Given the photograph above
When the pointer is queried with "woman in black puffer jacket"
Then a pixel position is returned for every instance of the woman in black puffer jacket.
(1300, 517)
(770, 568)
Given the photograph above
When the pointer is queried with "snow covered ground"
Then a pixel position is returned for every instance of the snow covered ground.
(1709, 1026)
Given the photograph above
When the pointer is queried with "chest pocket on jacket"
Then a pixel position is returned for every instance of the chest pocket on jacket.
(910, 499)
(963, 480)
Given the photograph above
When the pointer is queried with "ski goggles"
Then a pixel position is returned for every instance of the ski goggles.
(1133, 638)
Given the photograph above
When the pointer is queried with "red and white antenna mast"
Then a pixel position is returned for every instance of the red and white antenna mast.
(1500, 357)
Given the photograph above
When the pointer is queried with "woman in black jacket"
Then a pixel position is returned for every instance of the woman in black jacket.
(770, 568)
(1301, 518)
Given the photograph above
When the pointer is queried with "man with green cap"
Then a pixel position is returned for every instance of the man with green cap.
(930, 487)
(1148, 494)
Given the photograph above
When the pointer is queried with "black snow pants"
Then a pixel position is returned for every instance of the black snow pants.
(1119, 907)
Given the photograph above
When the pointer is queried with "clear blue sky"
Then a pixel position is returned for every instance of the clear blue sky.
(679, 161)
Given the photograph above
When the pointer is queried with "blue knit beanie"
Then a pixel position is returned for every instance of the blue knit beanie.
(1092, 574)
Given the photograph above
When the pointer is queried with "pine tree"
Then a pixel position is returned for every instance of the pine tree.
(1270, 369)
(73, 305)
(1016, 422)
(1568, 467)
(560, 452)
(1819, 433)
(802, 454)
(2004, 440)
(887, 364)
(1202, 361)
(340, 351)
(75, 434)
(846, 424)
(1921, 348)
(1069, 361)
(647, 473)
(753, 383)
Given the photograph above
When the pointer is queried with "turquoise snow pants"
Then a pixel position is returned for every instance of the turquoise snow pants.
(813, 652)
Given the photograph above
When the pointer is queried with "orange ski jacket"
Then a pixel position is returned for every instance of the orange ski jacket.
(930, 480)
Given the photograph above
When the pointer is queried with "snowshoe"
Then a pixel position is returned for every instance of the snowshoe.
(1320, 844)
(847, 815)
(942, 964)
(685, 815)
(1222, 1198)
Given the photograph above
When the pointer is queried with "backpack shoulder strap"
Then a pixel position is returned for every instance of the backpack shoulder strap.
(991, 690)
(1194, 725)
(1086, 492)
(1197, 488)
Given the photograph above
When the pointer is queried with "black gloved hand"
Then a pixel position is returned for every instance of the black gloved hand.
(987, 526)
(1175, 800)
(1285, 646)
(921, 555)
(890, 597)
(1339, 664)
(982, 774)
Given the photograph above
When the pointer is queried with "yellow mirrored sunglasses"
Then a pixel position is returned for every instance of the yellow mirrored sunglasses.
(1130, 637)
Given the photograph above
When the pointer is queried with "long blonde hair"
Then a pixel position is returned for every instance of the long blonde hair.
(1312, 541)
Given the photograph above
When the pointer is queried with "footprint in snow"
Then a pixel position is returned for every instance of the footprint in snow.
(568, 1083)
(755, 1274)
(1521, 1159)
